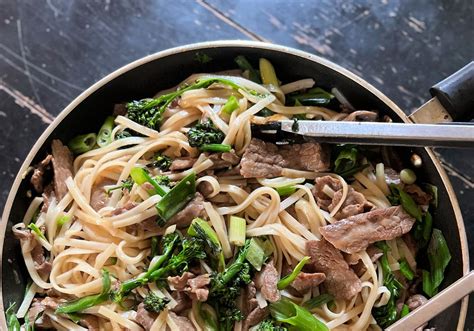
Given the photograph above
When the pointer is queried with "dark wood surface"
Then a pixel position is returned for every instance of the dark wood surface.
(52, 50)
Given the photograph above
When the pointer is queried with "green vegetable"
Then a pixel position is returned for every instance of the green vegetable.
(202, 58)
(88, 301)
(245, 65)
(154, 303)
(422, 231)
(433, 191)
(318, 301)
(230, 106)
(405, 311)
(295, 126)
(267, 72)
(237, 230)
(287, 312)
(123, 134)
(407, 176)
(33, 227)
(270, 325)
(313, 97)
(161, 161)
(348, 161)
(265, 112)
(205, 133)
(199, 228)
(215, 148)
(256, 254)
(208, 316)
(82, 143)
(63, 220)
(288, 279)
(438, 257)
(147, 112)
(406, 270)
(399, 196)
(167, 264)
(225, 288)
(177, 198)
(105, 133)
(286, 190)
(154, 246)
(12, 321)
(387, 315)
(141, 176)
(127, 184)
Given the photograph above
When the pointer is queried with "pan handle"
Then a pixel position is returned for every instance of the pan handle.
(456, 93)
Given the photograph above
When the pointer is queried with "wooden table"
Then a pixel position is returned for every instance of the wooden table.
(52, 50)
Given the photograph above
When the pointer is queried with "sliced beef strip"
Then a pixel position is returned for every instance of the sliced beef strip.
(48, 195)
(37, 179)
(195, 208)
(341, 281)
(40, 305)
(183, 323)
(197, 287)
(266, 160)
(183, 301)
(416, 301)
(355, 233)
(355, 202)
(182, 163)
(322, 199)
(224, 160)
(266, 281)
(144, 317)
(99, 196)
(357, 265)
(421, 198)
(120, 109)
(306, 281)
(91, 322)
(41, 264)
(205, 188)
(62, 166)
(256, 316)
(178, 283)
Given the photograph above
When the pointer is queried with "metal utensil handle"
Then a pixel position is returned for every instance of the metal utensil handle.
(436, 305)
(456, 93)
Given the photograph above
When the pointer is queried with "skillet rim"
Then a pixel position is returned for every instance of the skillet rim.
(228, 44)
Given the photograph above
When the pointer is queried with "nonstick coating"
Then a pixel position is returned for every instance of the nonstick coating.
(145, 77)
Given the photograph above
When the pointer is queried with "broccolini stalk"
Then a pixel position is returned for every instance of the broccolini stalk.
(287, 312)
(170, 242)
(82, 143)
(148, 112)
(12, 321)
(318, 301)
(201, 229)
(222, 148)
(177, 198)
(245, 65)
(127, 184)
(90, 300)
(141, 176)
(105, 133)
(288, 279)
(230, 106)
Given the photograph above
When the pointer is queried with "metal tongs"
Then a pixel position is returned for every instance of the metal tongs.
(433, 126)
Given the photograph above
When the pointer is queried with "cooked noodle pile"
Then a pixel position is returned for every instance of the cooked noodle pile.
(96, 226)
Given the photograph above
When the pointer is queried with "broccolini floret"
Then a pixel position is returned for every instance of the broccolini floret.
(145, 112)
(161, 161)
(155, 303)
(269, 325)
(205, 133)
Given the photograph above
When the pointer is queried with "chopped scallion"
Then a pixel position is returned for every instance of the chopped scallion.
(231, 105)
(288, 279)
(33, 227)
(237, 228)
